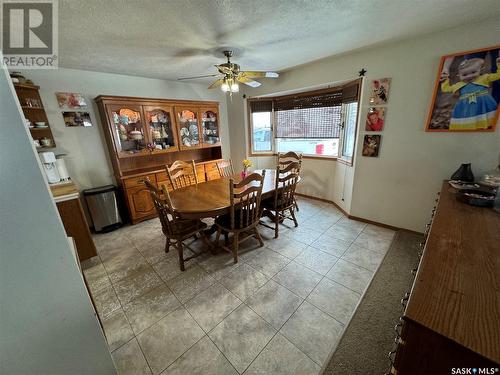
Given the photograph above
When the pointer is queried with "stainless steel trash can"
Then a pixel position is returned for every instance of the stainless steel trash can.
(103, 208)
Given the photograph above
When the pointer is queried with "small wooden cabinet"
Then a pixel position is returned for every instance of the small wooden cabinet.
(173, 129)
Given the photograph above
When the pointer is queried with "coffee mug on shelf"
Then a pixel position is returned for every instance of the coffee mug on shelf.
(46, 142)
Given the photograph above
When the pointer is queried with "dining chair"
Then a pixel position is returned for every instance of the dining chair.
(182, 174)
(287, 158)
(282, 205)
(175, 229)
(244, 214)
(225, 168)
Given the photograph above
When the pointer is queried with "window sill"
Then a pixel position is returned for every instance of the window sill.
(348, 162)
(317, 157)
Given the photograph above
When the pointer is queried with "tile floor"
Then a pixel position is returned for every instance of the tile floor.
(281, 310)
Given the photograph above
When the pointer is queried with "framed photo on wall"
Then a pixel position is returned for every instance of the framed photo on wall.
(71, 100)
(466, 94)
(72, 119)
(375, 119)
(379, 93)
(371, 145)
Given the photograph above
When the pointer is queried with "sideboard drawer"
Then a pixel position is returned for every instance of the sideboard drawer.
(138, 181)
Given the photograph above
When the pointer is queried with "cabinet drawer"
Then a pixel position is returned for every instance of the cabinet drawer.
(161, 177)
(138, 181)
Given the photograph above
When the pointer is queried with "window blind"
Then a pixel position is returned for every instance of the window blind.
(261, 105)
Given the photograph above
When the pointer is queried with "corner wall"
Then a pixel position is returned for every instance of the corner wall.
(399, 186)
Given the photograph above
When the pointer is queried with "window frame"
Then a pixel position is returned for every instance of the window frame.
(339, 157)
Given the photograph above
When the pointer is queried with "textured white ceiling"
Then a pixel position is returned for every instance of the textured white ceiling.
(174, 38)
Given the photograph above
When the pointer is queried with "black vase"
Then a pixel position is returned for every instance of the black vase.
(464, 173)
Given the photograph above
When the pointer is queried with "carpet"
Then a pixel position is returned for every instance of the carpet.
(369, 337)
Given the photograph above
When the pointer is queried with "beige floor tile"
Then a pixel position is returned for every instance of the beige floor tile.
(106, 301)
(129, 360)
(218, 265)
(268, 262)
(168, 268)
(363, 257)
(241, 336)
(202, 359)
(281, 357)
(331, 245)
(316, 260)
(117, 329)
(212, 305)
(375, 242)
(298, 279)
(244, 281)
(313, 332)
(286, 246)
(134, 286)
(350, 223)
(149, 308)
(350, 275)
(274, 303)
(334, 299)
(190, 283)
(342, 233)
(305, 235)
(168, 339)
(97, 277)
(125, 264)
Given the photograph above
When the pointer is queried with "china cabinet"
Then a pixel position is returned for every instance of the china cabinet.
(35, 116)
(143, 135)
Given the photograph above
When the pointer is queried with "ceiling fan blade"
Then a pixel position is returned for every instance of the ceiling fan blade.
(196, 77)
(255, 74)
(216, 83)
(248, 81)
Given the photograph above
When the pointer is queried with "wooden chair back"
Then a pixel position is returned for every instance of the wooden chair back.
(182, 174)
(225, 168)
(246, 194)
(163, 205)
(287, 177)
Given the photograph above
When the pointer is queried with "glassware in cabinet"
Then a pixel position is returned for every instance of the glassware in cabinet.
(188, 127)
(210, 127)
(128, 128)
(161, 129)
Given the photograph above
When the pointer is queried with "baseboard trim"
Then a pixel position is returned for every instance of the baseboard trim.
(356, 217)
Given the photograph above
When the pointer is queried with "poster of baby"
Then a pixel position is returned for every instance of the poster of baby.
(467, 92)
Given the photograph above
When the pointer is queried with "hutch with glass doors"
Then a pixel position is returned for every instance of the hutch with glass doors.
(143, 135)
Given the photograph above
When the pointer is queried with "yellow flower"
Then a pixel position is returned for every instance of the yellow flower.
(247, 163)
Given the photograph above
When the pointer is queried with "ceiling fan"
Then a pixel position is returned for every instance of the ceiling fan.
(230, 74)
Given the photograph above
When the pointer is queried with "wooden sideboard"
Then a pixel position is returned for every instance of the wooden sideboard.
(452, 317)
(178, 129)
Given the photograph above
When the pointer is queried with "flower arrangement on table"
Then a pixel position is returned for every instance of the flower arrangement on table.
(246, 164)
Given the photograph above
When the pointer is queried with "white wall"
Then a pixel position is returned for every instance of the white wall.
(87, 160)
(398, 187)
(47, 324)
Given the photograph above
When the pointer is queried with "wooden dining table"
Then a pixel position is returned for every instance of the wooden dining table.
(211, 198)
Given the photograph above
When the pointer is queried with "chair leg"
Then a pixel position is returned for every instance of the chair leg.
(226, 238)
(259, 237)
(235, 246)
(276, 224)
(296, 205)
(217, 237)
(180, 251)
(293, 217)
(167, 245)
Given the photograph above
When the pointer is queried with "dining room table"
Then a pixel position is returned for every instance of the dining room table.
(211, 198)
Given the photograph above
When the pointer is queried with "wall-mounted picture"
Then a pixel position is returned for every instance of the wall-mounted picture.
(375, 119)
(380, 91)
(371, 145)
(466, 92)
(71, 100)
(77, 119)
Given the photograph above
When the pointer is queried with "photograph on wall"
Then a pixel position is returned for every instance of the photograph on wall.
(72, 119)
(380, 91)
(375, 119)
(466, 92)
(371, 145)
(71, 100)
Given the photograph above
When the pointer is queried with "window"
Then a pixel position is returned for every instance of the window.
(319, 123)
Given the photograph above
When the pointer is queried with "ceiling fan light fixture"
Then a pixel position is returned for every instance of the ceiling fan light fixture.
(225, 87)
(235, 87)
